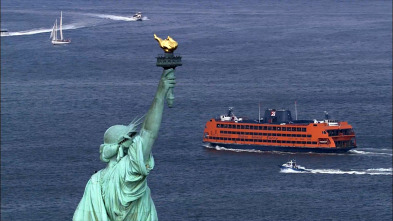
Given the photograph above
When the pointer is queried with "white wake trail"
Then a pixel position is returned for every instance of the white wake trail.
(377, 171)
(361, 152)
(113, 17)
(43, 30)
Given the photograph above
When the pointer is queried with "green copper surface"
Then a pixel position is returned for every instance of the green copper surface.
(120, 191)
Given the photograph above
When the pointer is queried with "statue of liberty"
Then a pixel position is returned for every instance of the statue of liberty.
(120, 191)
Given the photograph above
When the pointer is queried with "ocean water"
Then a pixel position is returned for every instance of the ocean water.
(57, 102)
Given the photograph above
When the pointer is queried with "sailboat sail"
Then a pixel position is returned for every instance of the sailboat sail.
(54, 35)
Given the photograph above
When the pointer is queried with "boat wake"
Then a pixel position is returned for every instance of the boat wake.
(373, 171)
(117, 17)
(240, 150)
(372, 153)
(42, 30)
(72, 26)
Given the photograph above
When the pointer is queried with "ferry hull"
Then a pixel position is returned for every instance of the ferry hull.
(283, 148)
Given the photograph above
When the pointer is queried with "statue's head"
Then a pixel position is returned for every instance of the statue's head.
(114, 139)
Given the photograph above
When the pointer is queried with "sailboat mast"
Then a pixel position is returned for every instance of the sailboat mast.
(55, 34)
(61, 25)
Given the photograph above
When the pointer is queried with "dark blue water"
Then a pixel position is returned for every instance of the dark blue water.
(57, 102)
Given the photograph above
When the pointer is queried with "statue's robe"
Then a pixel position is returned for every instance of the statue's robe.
(119, 192)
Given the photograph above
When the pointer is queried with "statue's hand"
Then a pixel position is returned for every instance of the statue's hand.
(168, 80)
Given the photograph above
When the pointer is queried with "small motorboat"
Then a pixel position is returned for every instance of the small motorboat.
(4, 32)
(137, 16)
(291, 165)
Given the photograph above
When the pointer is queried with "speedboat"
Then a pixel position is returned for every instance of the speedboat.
(4, 32)
(137, 16)
(291, 165)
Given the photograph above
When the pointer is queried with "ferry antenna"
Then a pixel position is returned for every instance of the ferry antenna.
(295, 111)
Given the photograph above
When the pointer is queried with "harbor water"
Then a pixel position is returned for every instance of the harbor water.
(57, 102)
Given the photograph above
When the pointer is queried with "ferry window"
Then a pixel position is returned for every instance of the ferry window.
(264, 141)
(260, 134)
(279, 135)
(274, 128)
(298, 129)
(274, 141)
(308, 142)
(252, 127)
(293, 128)
(247, 133)
(314, 142)
(269, 141)
(274, 134)
(303, 142)
(237, 126)
(269, 128)
(304, 129)
(260, 128)
(278, 141)
(269, 134)
(279, 128)
(308, 135)
(265, 127)
(303, 135)
(247, 127)
(293, 135)
(284, 129)
(323, 132)
(298, 135)
(298, 142)
(284, 135)
(242, 127)
(218, 125)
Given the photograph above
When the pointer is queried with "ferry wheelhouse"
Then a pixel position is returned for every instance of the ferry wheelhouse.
(277, 131)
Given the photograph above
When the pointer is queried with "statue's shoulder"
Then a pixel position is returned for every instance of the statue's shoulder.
(96, 176)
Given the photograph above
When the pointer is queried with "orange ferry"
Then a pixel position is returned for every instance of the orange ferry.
(276, 131)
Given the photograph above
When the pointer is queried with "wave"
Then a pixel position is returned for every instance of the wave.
(378, 171)
(42, 30)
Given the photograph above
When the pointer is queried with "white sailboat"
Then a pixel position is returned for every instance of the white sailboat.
(54, 36)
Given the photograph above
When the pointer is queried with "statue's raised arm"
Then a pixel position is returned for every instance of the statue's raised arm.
(153, 118)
